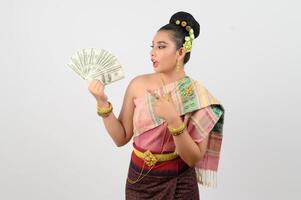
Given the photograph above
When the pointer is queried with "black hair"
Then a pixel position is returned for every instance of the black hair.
(179, 32)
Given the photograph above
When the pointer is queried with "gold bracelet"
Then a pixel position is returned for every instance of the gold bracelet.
(177, 131)
(104, 112)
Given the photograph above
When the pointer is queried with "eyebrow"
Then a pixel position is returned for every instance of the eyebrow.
(161, 42)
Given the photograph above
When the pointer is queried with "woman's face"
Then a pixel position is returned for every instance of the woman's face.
(164, 53)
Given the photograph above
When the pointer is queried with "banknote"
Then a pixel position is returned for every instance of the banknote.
(97, 64)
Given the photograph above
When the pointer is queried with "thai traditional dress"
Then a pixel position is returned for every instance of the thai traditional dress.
(203, 116)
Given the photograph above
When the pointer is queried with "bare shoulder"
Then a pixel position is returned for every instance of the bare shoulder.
(140, 79)
(140, 83)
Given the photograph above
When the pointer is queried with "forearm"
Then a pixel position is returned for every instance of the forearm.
(114, 128)
(185, 146)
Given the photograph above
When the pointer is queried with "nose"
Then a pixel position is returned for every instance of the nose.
(152, 52)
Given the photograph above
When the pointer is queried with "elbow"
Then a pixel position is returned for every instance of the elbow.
(190, 164)
(121, 143)
(194, 161)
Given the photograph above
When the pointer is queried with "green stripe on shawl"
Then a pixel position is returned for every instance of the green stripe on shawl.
(218, 110)
(189, 100)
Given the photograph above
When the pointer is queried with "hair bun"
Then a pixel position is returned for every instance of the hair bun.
(189, 19)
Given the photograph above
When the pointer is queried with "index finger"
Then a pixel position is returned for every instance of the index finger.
(94, 81)
(153, 94)
(98, 80)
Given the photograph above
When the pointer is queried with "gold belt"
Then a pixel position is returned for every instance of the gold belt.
(151, 159)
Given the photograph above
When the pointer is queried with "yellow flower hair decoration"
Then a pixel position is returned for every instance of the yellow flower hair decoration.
(188, 39)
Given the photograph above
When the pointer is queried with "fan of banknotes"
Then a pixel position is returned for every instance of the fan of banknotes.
(96, 64)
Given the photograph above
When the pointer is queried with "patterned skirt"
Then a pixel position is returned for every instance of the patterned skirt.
(169, 180)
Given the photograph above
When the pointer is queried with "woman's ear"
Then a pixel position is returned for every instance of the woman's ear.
(181, 53)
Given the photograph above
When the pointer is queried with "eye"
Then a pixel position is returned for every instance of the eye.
(159, 47)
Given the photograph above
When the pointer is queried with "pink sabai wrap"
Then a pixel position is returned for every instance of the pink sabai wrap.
(202, 114)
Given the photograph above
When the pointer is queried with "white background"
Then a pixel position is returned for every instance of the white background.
(54, 146)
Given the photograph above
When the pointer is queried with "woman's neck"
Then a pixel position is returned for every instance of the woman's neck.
(172, 77)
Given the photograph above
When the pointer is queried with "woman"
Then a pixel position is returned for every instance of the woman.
(175, 123)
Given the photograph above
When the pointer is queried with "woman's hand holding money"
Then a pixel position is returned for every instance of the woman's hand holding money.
(96, 88)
